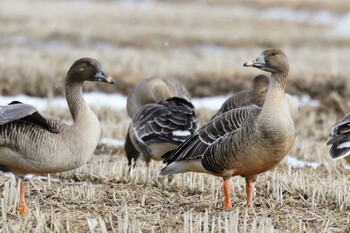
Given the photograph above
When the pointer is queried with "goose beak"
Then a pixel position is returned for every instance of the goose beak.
(101, 76)
(258, 62)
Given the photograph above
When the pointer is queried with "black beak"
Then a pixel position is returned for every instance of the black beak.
(258, 62)
(101, 76)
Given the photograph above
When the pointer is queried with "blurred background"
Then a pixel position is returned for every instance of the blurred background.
(201, 43)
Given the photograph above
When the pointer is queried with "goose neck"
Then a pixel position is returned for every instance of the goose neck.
(75, 99)
(274, 102)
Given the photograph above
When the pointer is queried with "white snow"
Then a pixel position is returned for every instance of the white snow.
(212, 103)
(294, 162)
(342, 26)
(112, 142)
(283, 13)
(92, 222)
(118, 101)
(96, 99)
(339, 23)
(305, 100)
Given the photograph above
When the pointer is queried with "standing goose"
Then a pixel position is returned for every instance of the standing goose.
(257, 96)
(153, 90)
(150, 91)
(245, 141)
(340, 139)
(31, 142)
(161, 127)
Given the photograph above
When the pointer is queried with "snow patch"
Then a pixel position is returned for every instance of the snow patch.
(294, 162)
(112, 142)
(342, 26)
(118, 102)
(92, 222)
(212, 103)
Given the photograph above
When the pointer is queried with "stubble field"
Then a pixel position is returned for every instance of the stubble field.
(203, 44)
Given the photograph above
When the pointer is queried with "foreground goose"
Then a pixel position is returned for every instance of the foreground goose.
(161, 127)
(150, 91)
(340, 139)
(245, 141)
(31, 142)
(257, 96)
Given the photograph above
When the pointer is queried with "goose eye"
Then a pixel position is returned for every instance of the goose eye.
(273, 54)
(81, 69)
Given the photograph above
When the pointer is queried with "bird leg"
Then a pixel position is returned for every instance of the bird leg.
(147, 167)
(249, 185)
(22, 207)
(227, 201)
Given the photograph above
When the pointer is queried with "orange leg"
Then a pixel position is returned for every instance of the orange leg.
(227, 201)
(249, 185)
(22, 209)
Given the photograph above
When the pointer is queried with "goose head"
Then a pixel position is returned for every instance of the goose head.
(260, 84)
(88, 69)
(271, 60)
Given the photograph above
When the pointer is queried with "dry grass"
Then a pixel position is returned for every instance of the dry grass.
(103, 196)
(287, 200)
(203, 44)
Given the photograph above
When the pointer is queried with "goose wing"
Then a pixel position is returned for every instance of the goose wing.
(17, 111)
(173, 121)
(240, 99)
(340, 138)
(225, 124)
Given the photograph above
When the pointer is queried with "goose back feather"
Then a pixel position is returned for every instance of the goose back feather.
(257, 96)
(153, 90)
(150, 91)
(158, 128)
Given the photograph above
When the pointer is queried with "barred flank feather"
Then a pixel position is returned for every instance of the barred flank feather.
(340, 139)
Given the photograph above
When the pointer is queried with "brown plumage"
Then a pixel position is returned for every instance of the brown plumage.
(256, 95)
(245, 141)
(158, 108)
(31, 142)
(153, 90)
(161, 127)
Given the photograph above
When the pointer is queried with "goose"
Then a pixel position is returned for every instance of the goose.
(148, 91)
(32, 142)
(256, 95)
(160, 127)
(243, 98)
(245, 141)
(340, 139)
(153, 90)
